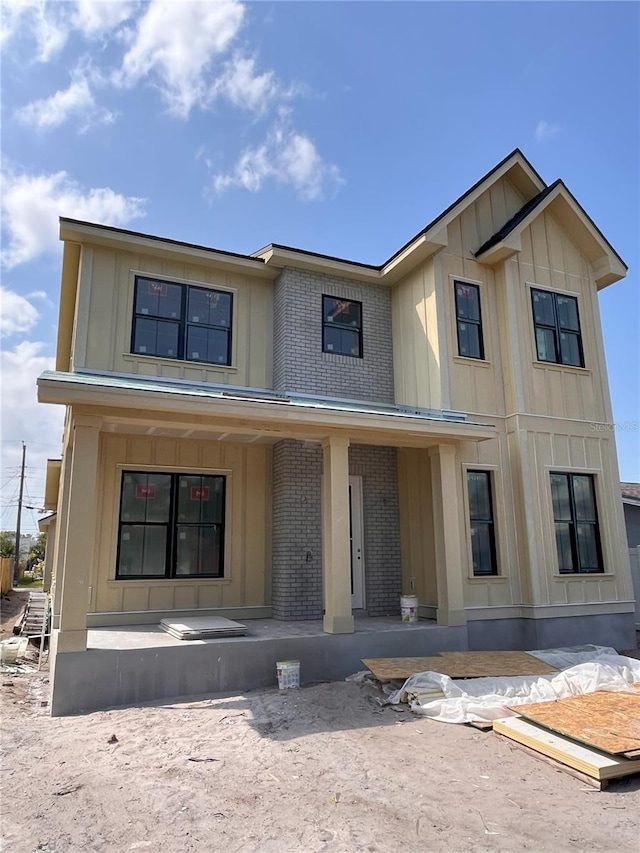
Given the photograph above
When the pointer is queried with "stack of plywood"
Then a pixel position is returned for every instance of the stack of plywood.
(203, 628)
(459, 665)
(597, 734)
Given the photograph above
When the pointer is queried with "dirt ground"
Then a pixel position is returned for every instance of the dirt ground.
(324, 768)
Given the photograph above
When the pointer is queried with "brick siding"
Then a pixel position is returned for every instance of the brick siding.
(297, 529)
(299, 365)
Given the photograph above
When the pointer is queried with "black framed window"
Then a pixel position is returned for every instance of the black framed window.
(171, 525)
(483, 538)
(469, 320)
(557, 328)
(575, 517)
(341, 326)
(181, 321)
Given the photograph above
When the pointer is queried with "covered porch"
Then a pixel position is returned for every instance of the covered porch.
(118, 423)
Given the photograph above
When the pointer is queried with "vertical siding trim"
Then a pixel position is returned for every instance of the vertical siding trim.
(83, 308)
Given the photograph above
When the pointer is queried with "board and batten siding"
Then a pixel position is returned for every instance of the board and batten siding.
(247, 524)
(104, 316)
(544, 450)
(550, 261)
(415, 329)
(428, 372)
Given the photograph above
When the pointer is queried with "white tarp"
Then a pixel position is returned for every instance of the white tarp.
(464, 700)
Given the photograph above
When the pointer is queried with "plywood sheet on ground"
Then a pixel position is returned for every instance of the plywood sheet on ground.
(595, 763)
(459, 665)
(497, 664)
(391, 669)
(606, 721)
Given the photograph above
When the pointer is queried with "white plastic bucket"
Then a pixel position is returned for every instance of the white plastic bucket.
(288, 672)
(11, 650)
(409, 608)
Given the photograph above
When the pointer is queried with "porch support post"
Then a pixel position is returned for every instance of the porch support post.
(446, 528)
(60, 541)
(338, 618)
(80, 535)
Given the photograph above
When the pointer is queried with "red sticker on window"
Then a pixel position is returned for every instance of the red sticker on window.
(341, 307)
(156, 288)
(145, 492)
(199, 493)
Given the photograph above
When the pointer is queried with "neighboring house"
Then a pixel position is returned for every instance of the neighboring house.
(631, 506)
(292, 435)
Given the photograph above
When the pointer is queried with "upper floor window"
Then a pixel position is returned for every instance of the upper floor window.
(469, 320)
(483, 538)
(557, 328)
(576, 523)
(171, 525)
(181, 321)
(341, 326)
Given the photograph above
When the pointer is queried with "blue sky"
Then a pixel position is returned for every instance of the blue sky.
(336, 127)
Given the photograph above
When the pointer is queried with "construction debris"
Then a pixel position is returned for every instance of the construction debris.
(594, 763)
(609, 722)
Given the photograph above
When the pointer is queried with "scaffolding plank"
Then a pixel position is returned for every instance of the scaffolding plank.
(595, 763)
(607, 721)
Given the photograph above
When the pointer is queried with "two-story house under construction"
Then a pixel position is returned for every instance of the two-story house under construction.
(290, 436)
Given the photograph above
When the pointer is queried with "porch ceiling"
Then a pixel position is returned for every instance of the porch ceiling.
(130, 427)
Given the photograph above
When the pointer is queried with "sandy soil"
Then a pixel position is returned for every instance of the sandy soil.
(319, 769)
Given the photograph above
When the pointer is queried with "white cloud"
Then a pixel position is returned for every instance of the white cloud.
(95, 18)
(244, 88)
(17, 314)
(175, 44)
(24, 419)
(285, 156)
(77, 100)
(43, 22)
(546, 130)
(31, 205)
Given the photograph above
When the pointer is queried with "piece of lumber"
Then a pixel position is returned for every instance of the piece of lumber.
(483, 725)
(593, 762)
(598, 784)
(604, 720)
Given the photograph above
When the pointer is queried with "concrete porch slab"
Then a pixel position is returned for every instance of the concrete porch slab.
(143, 663)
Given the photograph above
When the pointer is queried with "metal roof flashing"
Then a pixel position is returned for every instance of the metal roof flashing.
(182, 387)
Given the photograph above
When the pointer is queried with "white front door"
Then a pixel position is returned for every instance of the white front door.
(357, 542)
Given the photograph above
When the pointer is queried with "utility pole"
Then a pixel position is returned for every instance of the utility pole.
(16, 555)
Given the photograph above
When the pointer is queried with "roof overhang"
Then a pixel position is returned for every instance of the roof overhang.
(75, 231)
(45, 522)
(52, 483)
(608, 267)
(276, 416)
(277, 257)
(425, 244)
